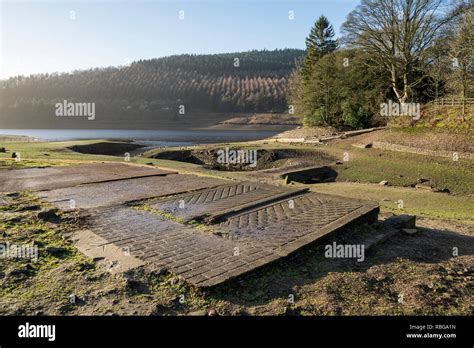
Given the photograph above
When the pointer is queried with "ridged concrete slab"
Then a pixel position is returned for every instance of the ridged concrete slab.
(214, 203)
(36, 179)
(291, 223)
(122, 191)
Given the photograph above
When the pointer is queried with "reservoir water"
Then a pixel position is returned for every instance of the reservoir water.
(148, 137)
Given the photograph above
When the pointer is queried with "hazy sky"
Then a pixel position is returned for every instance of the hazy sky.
(51, 36)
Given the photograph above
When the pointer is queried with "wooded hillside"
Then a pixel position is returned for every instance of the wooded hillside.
(254, 81)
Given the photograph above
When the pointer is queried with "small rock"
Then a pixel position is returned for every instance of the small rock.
(383, 183)
(2, 149)
(200, 313)
(424, 187)
(14, 155)
(363, 146)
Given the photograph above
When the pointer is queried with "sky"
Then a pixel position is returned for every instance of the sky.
(63, 36)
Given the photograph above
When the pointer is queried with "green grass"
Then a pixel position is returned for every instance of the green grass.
(443, 117)
(32, 231)
(403, 169)
(44, 154)
(57, 150)
(429, 204)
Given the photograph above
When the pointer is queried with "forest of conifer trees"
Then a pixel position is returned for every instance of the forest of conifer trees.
(254, 81)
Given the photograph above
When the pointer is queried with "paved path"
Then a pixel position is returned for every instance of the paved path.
(117, 192)
(36, 179)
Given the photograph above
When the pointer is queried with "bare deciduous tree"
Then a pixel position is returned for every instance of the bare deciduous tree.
(397, 34)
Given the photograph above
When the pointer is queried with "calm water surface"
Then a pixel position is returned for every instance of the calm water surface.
(148, 137)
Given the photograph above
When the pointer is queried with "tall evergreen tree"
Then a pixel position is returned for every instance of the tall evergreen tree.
(318, 43)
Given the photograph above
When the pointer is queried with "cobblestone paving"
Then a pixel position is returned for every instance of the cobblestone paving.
(201, 258)
(118, 192)
(36, 179)
(220, 200)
